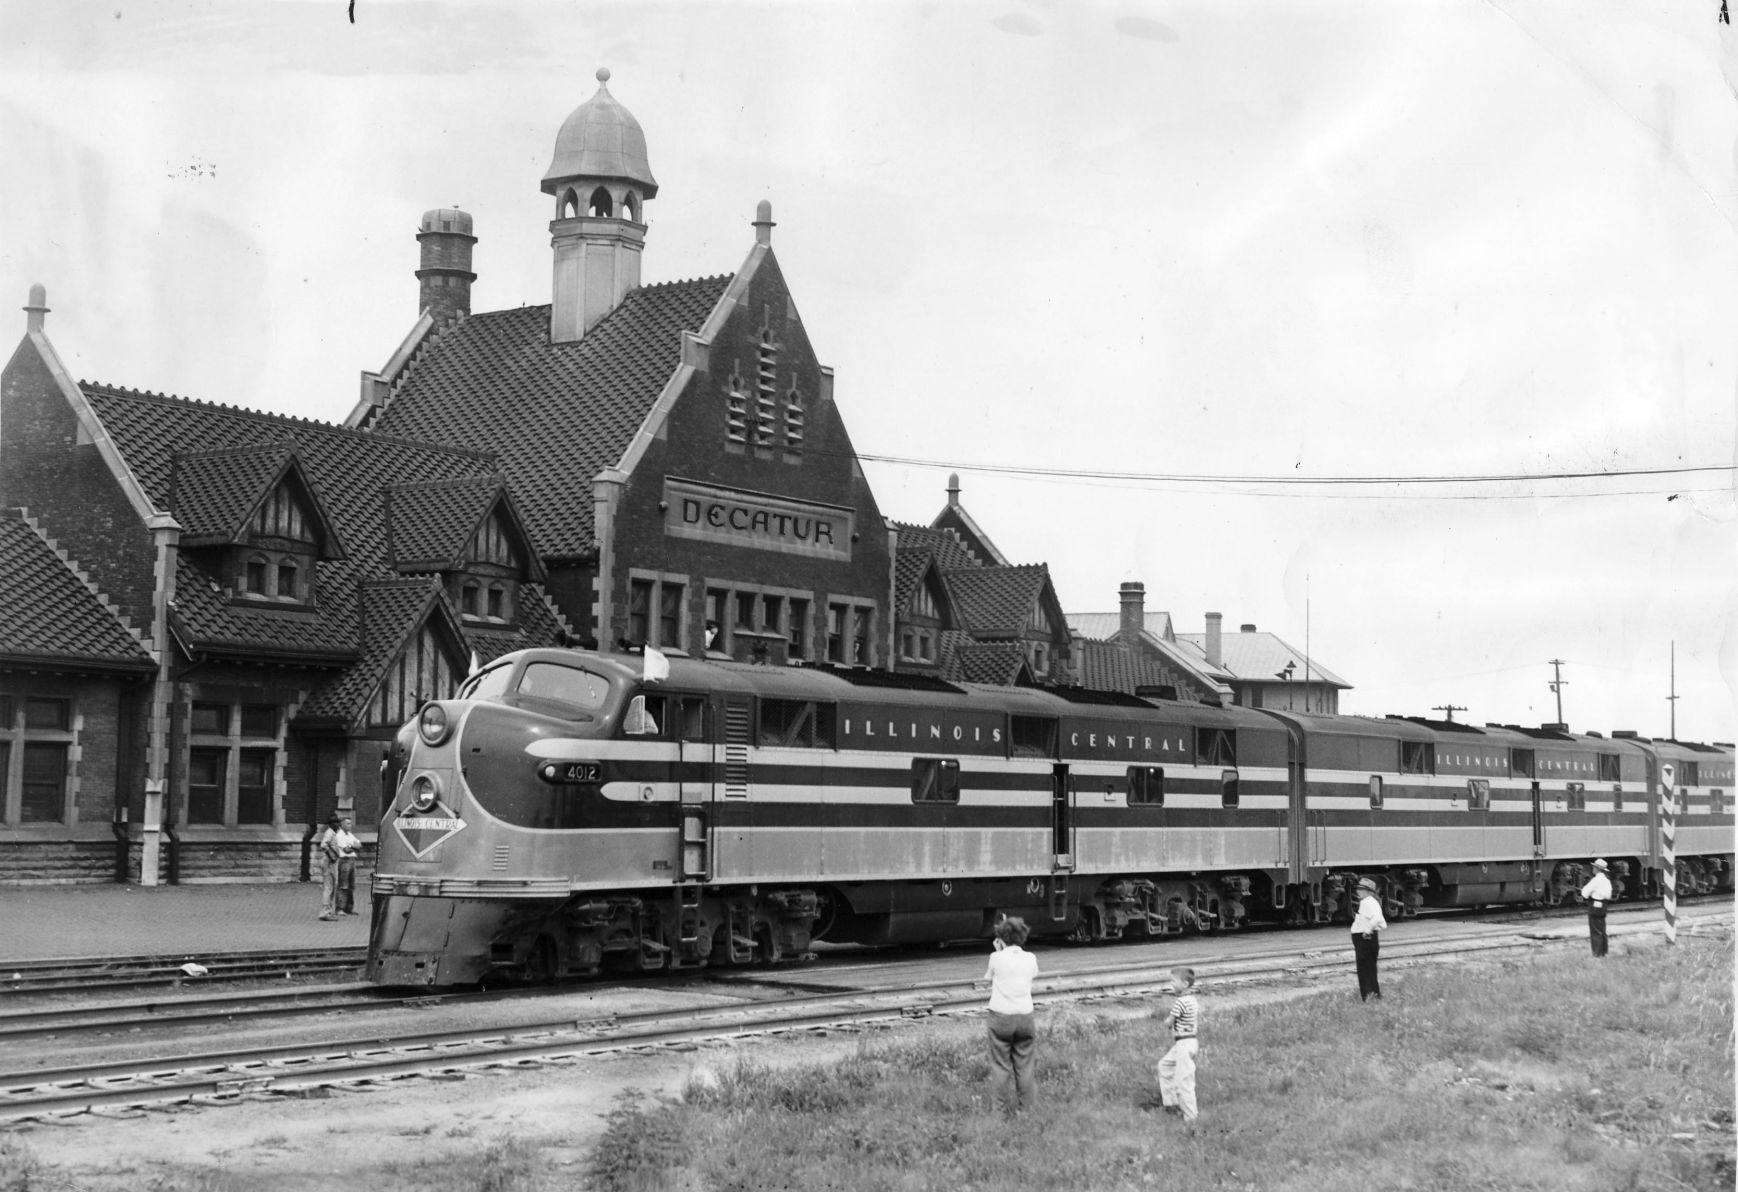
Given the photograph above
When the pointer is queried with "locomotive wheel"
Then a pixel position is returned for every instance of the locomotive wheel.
(1085, 926)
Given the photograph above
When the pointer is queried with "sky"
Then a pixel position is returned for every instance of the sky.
(1072, 251)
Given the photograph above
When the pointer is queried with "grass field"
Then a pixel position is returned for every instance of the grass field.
(1550, 1072)
(1555, 1072)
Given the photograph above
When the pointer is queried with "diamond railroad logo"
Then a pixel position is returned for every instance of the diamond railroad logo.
(422, 830)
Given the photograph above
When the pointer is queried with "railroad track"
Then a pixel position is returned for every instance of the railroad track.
(83, 974)
(225, 1075)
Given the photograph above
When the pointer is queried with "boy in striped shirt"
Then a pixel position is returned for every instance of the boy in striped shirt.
(1177, 1069)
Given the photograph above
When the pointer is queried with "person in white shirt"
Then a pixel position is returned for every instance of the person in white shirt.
(1177, 1068)
(1365, 944)
(1013, 1034)
(1597, 893)
(339, 849)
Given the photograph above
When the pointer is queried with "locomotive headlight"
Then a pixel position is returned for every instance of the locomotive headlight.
(432, 724)
(424, 792)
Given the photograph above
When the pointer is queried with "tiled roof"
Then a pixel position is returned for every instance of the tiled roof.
(1105, 626)
(47, 612)
(212, 492)
(1259, 657)
(349, 470)
(945, 545)
(909, 567)
(557, 414)
(996, 601)
(997, 663)
(392, 612)
(1112, 666)
(428, 525)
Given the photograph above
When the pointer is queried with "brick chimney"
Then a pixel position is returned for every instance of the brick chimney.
(446, 275)
(1134, 611)
(1213, 652)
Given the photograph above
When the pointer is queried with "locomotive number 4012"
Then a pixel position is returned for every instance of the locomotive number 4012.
(571, 772)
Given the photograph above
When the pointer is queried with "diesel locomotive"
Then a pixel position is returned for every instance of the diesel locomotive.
(565, 812)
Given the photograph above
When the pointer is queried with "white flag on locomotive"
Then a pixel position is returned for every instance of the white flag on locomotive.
(656, 667)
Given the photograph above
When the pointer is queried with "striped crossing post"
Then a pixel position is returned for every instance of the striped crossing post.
(1668, 867)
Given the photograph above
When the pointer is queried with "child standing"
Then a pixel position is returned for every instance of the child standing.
(1177, 1069)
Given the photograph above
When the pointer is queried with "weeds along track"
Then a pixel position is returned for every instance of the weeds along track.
(84, 974)
(216, 1077)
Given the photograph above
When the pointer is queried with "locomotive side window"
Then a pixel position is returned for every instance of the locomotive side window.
(1478, 794)
(1577, 796)
(1608, 768)
(1616, 797)
(1228, 793)
(1146, 786)
(935, 780)
(1216, 747)
(564, 685)
(1416, 757)
(1521, 763)
(797, 723)
(1689, 774)
(1717, 801)
(1375, 792)
(1032, 736)
(693, 718)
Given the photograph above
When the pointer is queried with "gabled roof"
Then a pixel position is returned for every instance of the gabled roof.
(50, 616)
(213, 494)
(430, 524)
(1259, 657)
(996, 601)
(557, 414)
(1105, 626)
(1113, 666)
(1001, 664)
(956, 520)
(945, 545)
(392, 613)
(349, 469)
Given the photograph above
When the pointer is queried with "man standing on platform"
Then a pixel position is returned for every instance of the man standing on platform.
(328, 855)
(348, 847)
(1597, 892)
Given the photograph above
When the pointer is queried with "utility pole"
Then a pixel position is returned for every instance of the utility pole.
(1672, 699)
(1557, 685)
(1449, 709)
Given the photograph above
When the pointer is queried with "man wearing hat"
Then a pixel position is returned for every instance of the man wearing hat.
(1597, 892)
(338, 849)
(1365, 924)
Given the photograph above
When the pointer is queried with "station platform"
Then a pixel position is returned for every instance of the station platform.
(67, 922)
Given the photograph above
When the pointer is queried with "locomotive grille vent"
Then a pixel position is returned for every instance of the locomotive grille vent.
(502, 853)
(735, 749)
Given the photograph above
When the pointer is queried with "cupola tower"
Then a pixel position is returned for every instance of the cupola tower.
(600, 179)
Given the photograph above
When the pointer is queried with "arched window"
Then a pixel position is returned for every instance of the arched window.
(601, 207)
(631, 207)
(569, 205)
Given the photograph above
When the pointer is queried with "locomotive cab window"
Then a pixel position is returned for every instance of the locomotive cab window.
(1478, 794)
(1228, 792)
(935, 780)
(645, 713)
(1146, 786)
(490, 684)
(567, 686)
(1375, 792)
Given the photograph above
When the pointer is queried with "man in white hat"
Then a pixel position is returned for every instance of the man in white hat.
(1597, 893)
(1365, 946)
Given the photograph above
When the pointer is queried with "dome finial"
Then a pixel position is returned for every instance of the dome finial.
(763, 224)
(38, 308)
(603, 74)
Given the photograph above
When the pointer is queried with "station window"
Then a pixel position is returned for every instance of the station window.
(1375, 792)
(232, 763)
(1146, 786)
(935, 780)
(1229, 796)
(655, 609)
(742, 620)
(36, 737)
(205, 785)
(1478, 794)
